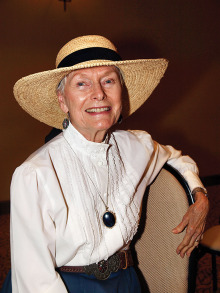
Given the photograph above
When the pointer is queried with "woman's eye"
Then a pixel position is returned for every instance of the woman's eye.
(109, 81)
(80, 83)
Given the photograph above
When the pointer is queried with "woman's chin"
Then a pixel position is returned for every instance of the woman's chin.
(104, 125)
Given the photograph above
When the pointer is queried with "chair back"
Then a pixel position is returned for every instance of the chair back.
(166, 201)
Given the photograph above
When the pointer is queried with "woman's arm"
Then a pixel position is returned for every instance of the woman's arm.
(32, 235)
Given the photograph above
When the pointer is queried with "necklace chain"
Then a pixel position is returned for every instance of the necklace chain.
(98, 192)
(109, 217)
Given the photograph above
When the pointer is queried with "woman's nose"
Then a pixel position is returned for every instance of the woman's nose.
(98, 92)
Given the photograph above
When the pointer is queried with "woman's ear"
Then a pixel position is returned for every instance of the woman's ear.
(62, 102)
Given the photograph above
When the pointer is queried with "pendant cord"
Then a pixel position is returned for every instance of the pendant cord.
(109, 217)
(98, 192)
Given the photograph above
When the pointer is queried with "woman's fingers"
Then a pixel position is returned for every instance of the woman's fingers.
(194, 223)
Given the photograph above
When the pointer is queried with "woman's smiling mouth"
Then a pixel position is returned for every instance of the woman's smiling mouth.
(98, 110)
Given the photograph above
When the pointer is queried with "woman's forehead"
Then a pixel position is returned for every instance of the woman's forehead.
(91, 70)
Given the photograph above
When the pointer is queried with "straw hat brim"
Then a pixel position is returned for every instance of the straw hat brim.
(36, 93)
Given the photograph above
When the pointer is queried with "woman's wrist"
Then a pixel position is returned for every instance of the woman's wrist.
(199, 191)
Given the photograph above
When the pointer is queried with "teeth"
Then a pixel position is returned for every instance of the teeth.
(93, 110)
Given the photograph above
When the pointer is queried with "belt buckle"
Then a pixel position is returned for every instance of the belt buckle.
(104, 268)
(126, 259)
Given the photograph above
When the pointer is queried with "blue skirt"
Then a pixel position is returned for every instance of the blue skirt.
(7, 284)
(123, 281)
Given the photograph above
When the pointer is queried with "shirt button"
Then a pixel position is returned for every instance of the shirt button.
(101, 149)
(100, 163)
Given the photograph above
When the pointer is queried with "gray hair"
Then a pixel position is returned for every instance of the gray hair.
(62, 83)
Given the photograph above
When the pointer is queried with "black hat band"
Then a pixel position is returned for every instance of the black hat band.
(88, 54)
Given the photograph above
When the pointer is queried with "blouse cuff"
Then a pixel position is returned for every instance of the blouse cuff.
(193, 180)
(57, 287)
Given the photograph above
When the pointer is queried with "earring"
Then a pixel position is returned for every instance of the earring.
(120, 119)
(65, 123)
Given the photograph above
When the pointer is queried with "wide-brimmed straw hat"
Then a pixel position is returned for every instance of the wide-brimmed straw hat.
(36, 93)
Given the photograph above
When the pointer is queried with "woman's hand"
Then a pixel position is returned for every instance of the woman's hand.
(194, 221)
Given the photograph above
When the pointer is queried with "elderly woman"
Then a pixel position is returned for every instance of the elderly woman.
(75, 202)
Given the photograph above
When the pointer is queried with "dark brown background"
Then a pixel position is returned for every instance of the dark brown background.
(184, 109)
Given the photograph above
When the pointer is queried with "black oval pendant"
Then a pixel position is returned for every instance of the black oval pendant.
(109, 219)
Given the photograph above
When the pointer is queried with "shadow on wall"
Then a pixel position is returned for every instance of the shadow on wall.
(179, 78)
(137, 48)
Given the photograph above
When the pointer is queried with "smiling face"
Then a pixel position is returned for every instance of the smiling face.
(93, 98)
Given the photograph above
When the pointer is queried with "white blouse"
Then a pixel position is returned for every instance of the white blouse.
(59, 195)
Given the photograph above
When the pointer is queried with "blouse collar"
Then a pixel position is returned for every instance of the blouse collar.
(77, 141)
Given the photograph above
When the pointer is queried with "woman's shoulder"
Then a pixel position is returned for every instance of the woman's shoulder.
(135, 145)
(134, 136)
(41, 157)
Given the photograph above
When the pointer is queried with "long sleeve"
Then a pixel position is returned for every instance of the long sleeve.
(160, 154)
(185, 165)
(32, 235)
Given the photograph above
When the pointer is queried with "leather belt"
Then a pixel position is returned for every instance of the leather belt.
(103, 269)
